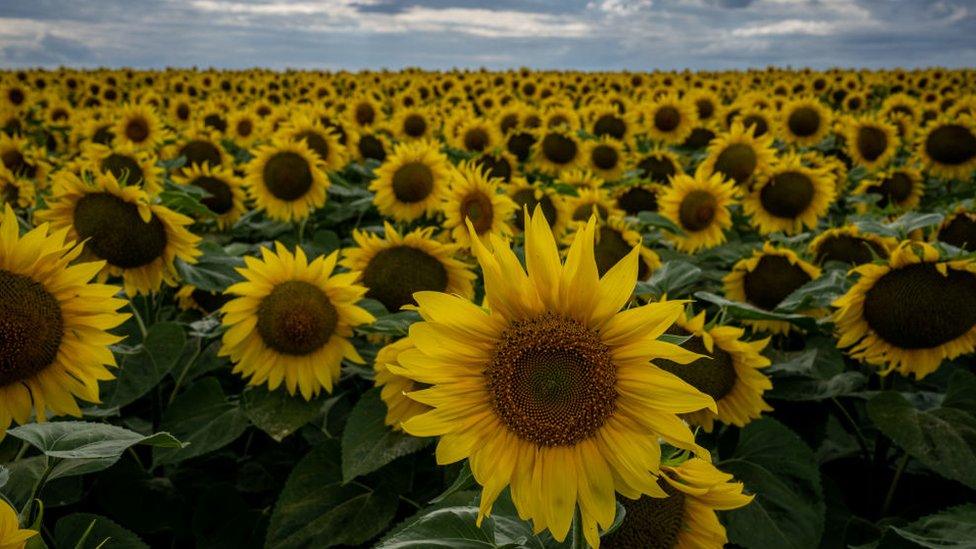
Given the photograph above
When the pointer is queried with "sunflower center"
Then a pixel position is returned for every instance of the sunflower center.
(287, 175)
(476, 139)
(244, 128)
(221, 199)
(394, 274)
(296, 318)
(496, 166)
(611, 125)
(525, 199)
(316, 142)
(31, 328)
(650, 523)
(699, 137)
(10, 194)
(804, 122)
(200, 152)
(414, 125)
(657, 168)
(697, 210)
(116, 231)
(14, 161)
(137, 129)
(413, 182)
(772, 280)
(610, 248)
(371, 147)
(604, 157)
(16, 96)
(951, 144)
(713, 376)
(757, 122)
(585, 210)
(183, 111)
(871, 142)
(705, 108)
(209, 301)
(365, 114)
(666, 119)
(960, 232)
(787, 195)
(477, 208)
(895, 188)
(103, 135)
(520, 144)
(558, 149)
(737, 161)
(917, 307)
(124, 168)
(215, 121)
(636, 200)
(849, 249)
(551, 380)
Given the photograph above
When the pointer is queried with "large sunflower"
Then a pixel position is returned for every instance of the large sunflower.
(54, 344)
(473, 196)
(910, 314)
(394, 388)
(287, 179)
(292, 321)
(685, 518)
(765, 279)
(804, 122)
(871, 141)
(789, 197)
(700, 206)
(728, 371)
(849, 245)
(948, 147)
(224, 189)
(551, 391)
(412, 181)
(137, 239)
(739, 155)
(396, 266)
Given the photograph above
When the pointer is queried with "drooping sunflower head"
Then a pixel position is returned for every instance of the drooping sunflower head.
(396, 266)
(947, 146)
(700, 206)
(849, 245)
(739, 155)
(804, 122)
(129, 165)
(789, 197)
(291, 321)
(287, 179)
(765, 279)
(657, 165)
(959, 229)
(557, 150)
(670, 120)
(900, 188)
(474, 196)
(412, 181)
(224, 192)
(871, 142)
(604, 157)
(911, 313)
(53, 325)
(527, 196)
(140, 126)
(136, 238)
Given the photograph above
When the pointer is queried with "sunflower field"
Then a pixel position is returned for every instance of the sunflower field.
(478, 309)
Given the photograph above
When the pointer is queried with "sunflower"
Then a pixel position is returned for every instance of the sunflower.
(128, 164)
(473, 196)
(244, 127)
(476, 135)
(958, 229)
(15, 95)
(561, 116)
(728, 372)
(604, 157)
(700, 206)
(685, 518)
(134, 238)
(546, 390)
(364, 112)
(607, 120)
(394, 388)
(669, 120)
(287, 179)
(197, 145)
(657, 165)
(757, 119)
(557, 150)
(396, 266)
(412, 181)
(414, 124)
(871, 141)
(527, 196)
(707, 104)
(11, 534)
(739, 155)
(900, 188)
(789, 197)
(292, 321)
(634, 199)
(140, 126)
(765, 279)
(910, 314)
(849, 245)
(324, 142)
(54, 344)
(520, 144)
(499, 164)
(614, 238)
(369, 144)
(804, 122)
(589, 202)
(225, 190)
(18, 192)
(901, 104)
(580, 179)
(23, 159)
(947, 146)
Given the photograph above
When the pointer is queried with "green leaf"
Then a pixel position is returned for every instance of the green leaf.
(914, 220)
(142, 371)
(4, 476)
(204, 418)
(464, 481)
(658, 221)
(745, 311)
(961, 393)
(450, 528)
(819, 293)
(315, 508)
(367, 443)
(953, 528)
(185, 199)
(782, 472)
(87, 531)
(277, 413)
(816, 373)
(81, 447)
(943, 439)
(673, 278)
(213, 271)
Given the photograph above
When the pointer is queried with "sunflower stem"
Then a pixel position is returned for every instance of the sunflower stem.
(138, 317)
(301, 231)
(186, 370)
(852, 426)
(890, 496)
(36, 489)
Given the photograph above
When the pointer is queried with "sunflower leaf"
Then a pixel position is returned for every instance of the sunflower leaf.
(204, 418)
(745, 311)
(277, 413)
(368, 444)
(213, 271)
(140, 372)
(88, 531)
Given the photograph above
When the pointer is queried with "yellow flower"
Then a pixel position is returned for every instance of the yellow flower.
(412, 181)
(790, 197)
(700, 206)
(287, 179)
(11, 535)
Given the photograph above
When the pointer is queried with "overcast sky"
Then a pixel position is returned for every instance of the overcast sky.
(580, 34)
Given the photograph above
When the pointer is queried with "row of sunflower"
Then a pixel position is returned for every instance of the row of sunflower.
(505, 250)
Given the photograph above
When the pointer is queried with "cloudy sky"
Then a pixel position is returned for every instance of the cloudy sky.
(581, 34)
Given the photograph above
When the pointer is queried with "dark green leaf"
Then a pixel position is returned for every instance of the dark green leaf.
(278, 413)
(367, 443)
(952, 528)
(87, 531)
(142, 371)
(204, 419)
(674, 278)
(213, 271)
(744, 311)
(464, 481)
(816, 294)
